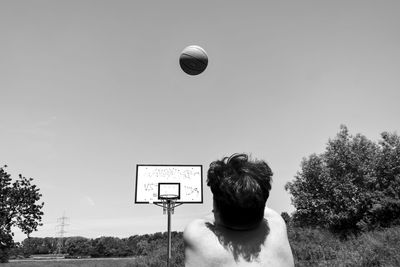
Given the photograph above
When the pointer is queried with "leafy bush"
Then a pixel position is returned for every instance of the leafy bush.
(352, 187)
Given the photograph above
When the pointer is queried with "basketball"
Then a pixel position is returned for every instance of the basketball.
(193, 60)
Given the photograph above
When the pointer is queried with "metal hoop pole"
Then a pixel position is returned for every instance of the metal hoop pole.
(168, 205)
(169, 233)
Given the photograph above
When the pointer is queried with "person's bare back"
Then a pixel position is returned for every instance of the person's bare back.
(207, 244)
(242, 231)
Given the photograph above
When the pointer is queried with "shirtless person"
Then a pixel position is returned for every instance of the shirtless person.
(242, 231)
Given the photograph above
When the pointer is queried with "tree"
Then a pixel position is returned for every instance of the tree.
(349, 186)
(286, 217)
(386, 207)
(109, 247)
(18, 207)
(78, 246)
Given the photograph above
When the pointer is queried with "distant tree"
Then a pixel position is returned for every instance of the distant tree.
(109, 247)
(350, 186)
(16, 251)
(51, 244)
(157, 237)
(286, 217)
(143, 247)
(18, 207)
(34, 245)
(78, 246)
(132, 244)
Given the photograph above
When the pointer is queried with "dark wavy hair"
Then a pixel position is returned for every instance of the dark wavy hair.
(240, 189)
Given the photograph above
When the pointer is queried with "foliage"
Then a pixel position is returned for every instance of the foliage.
(78, 246)
(108, 247)
(286, 217)
(319, 247)
(353, 186)
(18, 207)
(310, 247)
(36, 245)
(121, 262)
(149, 248)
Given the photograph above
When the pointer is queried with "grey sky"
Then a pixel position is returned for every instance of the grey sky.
(89, 89)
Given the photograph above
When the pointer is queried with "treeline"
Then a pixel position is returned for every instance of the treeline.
(137, 245)
(310, 247)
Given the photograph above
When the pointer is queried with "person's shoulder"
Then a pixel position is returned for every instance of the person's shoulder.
(279, 236)
(194, 231)
(276, 222)
(274, 217)
(194, 225)
(196, 237)
(201, 245)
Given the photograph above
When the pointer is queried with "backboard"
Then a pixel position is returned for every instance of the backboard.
(185, 181)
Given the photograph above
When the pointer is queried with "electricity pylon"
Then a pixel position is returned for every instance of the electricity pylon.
(61, 224)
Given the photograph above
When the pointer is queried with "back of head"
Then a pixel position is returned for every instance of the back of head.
(240, 189)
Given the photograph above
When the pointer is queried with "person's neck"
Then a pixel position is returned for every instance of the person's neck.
(218, 222)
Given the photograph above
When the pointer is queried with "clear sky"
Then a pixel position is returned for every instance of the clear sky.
(89, 89)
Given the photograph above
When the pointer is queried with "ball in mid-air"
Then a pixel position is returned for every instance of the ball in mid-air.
(193, 60)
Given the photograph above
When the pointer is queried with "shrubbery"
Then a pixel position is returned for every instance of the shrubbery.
(318, 247)
(352, 187)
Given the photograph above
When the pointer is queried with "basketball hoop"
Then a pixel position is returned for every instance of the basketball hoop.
(168, 202)
(168, 186)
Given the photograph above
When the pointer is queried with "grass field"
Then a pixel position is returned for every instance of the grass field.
(101, 262)
(142, 261)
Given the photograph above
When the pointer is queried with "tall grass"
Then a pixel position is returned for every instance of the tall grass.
(315, 247)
